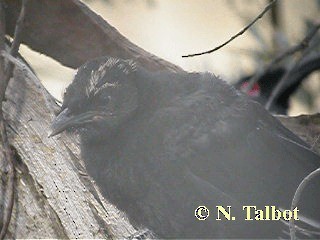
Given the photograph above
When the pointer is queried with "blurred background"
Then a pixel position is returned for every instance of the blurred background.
(172, 28)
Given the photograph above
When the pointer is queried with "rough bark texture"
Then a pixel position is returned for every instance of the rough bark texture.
(305, 126)
(54, 196)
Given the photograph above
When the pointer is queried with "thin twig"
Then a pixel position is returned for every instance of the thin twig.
(15, 45)
(302, 46)
(18, 63)
(7, 153)
(301, 229)
(307, 231)
(296, 199)
(234, 36)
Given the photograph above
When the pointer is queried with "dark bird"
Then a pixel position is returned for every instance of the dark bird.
(161, 144)
(267, 82)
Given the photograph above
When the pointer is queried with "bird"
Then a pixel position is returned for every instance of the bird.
(266, 83)
(171, 149)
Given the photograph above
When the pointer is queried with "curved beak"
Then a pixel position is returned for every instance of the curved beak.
(66, 120)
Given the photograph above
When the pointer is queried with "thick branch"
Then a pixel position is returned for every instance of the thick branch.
(301, 46)
(71, 33)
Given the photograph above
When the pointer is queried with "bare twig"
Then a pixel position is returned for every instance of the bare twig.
(15, 46)
(307, 231)
(17, 62)
(301, 229)
(302, 46)
(275, 16)
(6, 73)
(296, 199)
(236, 35)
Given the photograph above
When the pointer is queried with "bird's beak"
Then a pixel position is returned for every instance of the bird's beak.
(66, 120)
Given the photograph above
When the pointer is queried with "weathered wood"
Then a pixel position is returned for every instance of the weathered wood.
(307, 127)
(71, 33)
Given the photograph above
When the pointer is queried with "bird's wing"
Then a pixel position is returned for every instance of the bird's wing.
(239, 151)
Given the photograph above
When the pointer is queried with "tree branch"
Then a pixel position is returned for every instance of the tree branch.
(302, 46)
(81, 35)
(296, 199)
(236, 35)
(7, 153)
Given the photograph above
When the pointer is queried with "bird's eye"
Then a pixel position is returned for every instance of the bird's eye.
(104, 98)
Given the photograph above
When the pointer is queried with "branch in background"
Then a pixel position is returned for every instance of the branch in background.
(2, 37)
(234, 36)
(279, 40)
(275, 16)
(15, 46)
(296, 199)
(6, 73)
(302, 46)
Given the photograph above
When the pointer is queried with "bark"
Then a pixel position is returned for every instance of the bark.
(307, 127)
(71, 33)
(54, 196)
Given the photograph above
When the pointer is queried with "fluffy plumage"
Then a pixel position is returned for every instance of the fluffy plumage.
(161, 144)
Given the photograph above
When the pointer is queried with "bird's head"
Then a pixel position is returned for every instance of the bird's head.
(101, 96)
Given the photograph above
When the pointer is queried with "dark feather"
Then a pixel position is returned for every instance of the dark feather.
(187, 140)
